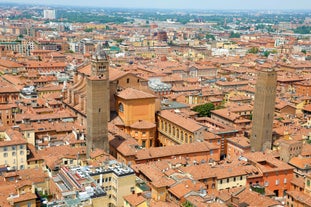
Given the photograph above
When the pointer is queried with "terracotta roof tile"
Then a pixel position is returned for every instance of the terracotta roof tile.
(186, 123)
(131, 93)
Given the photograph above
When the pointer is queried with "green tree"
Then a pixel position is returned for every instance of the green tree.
(253, 50)
(88, 30)
(235, 35)
(304, 51)
(266, 53)
(119, 40)
(274, 51)
(303, 30)
(205, 109)
(187, 204)
(209, 36)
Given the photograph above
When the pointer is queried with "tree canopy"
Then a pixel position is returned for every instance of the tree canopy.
(253, 50)
(235, 35)
(205, 109)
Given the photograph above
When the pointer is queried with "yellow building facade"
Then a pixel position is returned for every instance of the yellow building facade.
(175, 129)
(13, 150)
(137, 112)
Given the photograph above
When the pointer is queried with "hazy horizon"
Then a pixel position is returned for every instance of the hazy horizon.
(180, 4)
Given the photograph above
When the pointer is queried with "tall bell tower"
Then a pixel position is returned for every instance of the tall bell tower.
(98, 110)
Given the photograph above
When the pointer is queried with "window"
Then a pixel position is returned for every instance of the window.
(128, 80)
(143, 143)
(13, 153)
(211, 152)
(21, 167)
(21, 152)
(121, 107)
(13, 147)
(266, 183)
(277, 182)
(308, 183)
(285, 180)
(5, 148)
(228, 180)
(5, 154)
(21, 146)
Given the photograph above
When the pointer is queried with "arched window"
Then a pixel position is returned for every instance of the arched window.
(177, 133)
(121, 107)
(173, 131)
(169, 129)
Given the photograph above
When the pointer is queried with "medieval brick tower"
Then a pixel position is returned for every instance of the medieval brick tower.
(263, 112)
(98, 111)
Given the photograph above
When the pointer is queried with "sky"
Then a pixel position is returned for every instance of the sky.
(181, 4)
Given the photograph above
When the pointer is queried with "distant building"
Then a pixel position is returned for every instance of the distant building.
(13, 148)
(49, 14)
(162, 36)
(300, 197)
(263, 113)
